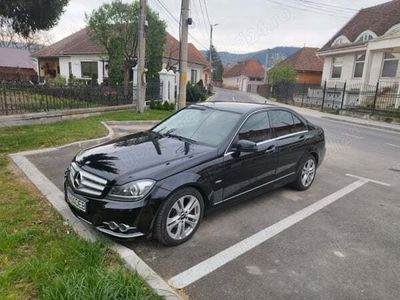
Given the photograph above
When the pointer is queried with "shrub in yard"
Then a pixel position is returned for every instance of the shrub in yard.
(166, 106)
(57, 81)
(152, 104)
(194, 93)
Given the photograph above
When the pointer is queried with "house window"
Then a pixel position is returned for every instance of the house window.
(337, 67)
(89, 69)
(70, 69)
(359, 66)
(365, 38)
(390, 64)
(193, 77)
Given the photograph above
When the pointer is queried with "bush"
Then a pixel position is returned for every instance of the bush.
(73, 81)
(194, 93)
(159, 105)
(57, 81)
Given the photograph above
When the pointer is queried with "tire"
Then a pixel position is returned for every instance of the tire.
(183, 223)
(306, 174)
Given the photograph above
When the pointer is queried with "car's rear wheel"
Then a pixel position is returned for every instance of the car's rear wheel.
(179, 217)
(306, 174)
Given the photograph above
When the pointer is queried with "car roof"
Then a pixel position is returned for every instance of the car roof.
(237, 107)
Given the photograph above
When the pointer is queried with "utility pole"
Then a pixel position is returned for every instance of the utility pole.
(141, 52)
(183, 53)
(211, 46)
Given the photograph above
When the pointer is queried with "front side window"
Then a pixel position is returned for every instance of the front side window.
(359, 67)
(256, 128)
(282, 122)
(390, 64)
(89, 69)
(206, 126)
(337, 67)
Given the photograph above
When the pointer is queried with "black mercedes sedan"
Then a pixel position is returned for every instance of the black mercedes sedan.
(161, 182)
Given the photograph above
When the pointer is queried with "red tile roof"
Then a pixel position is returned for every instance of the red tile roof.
(249, 68)
(379, 19)
(77, 43)
(80, 43)
(306, 59)
(171, 51)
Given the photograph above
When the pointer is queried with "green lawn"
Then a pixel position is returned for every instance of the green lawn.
(40, 257)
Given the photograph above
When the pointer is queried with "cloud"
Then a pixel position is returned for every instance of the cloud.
(243, 25)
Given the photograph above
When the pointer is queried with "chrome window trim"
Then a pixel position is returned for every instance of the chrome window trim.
(255, 188)
(266, 141)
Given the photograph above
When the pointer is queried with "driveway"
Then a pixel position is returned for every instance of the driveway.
(338, 240)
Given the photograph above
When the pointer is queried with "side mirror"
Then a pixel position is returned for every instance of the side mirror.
(246, 146)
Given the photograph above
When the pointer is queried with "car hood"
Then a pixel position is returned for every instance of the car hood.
(145, 155)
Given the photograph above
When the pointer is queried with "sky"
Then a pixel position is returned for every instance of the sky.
(243, 26)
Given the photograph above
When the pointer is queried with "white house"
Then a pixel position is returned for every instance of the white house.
(366, 51)
(79, 56)
(244, 76)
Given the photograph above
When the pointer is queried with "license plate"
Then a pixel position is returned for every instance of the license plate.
(75, 202)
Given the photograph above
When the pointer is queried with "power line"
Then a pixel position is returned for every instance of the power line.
(349, 9)
(201, 23)
(321, 8)
(178, 22)
(333, 14)
(206, 9)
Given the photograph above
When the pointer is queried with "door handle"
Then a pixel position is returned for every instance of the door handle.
(302, 137)
(271, 149)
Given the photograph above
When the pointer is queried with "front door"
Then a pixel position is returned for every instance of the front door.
(243, 172)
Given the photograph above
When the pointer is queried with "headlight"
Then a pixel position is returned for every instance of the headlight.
(132, 191)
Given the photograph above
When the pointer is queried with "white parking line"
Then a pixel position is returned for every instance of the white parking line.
(211, 264)
(368, 180)
(353, 136)
(392, 145)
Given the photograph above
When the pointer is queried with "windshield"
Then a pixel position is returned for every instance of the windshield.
(205, 126)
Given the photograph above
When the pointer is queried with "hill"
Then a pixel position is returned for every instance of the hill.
(274, 54)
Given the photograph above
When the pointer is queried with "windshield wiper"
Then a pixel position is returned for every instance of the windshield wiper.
(179, 137)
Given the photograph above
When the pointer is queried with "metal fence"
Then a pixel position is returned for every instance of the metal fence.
(381, 98)
(20, 99)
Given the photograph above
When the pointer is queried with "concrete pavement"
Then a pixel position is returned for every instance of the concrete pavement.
(345, 250)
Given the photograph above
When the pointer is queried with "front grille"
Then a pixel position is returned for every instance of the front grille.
(86, 183)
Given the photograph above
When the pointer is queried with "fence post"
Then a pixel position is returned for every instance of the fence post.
(323, 97)
(302, 94)
(343, 95)
(5, 100)
(375, 98)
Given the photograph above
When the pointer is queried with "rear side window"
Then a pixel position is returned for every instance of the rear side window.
(282, 122)
(257, 128)
(299, 125)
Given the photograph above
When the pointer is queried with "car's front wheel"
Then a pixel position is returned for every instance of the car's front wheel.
(306, 174)
(179, 217)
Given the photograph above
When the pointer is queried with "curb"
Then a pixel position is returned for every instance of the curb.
(396, 130)
(56, 198)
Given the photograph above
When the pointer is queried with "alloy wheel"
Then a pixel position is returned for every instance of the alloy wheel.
(308, 173)
(183, 217)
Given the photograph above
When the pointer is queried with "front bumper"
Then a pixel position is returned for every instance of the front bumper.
(124, 220)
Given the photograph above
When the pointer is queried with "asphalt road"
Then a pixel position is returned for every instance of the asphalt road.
(346, 250)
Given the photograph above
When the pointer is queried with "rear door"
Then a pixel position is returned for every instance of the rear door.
(291, 134)
(246, 171)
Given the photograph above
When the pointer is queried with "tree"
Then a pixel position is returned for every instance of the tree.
(281, 75)
(114, 27)
(216, 64)
(28, 16)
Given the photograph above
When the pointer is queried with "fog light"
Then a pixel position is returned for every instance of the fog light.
(113, 225)
(123, 227)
